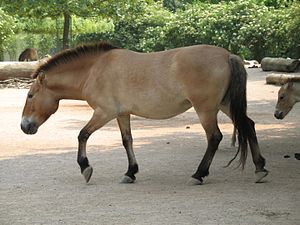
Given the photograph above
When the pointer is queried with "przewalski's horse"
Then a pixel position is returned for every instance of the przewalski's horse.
(29, 54)
(119, 82)
(288, 95)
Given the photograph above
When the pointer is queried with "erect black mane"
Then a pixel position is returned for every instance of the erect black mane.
(71, 54)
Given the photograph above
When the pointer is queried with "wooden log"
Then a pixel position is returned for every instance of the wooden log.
(280, 64)
(17, 69)
(280, 79)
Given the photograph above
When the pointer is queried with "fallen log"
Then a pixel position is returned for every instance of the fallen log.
(17, 69)
(280, 79)
(280, 64)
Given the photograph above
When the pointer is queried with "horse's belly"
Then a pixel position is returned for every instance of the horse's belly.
(161, 111)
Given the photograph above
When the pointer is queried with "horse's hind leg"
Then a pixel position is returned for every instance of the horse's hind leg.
(124, 125)
(225, 109)
(214, 136)
(257, 158)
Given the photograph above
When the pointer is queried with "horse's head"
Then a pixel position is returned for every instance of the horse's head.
(40, 104)
(285, 100)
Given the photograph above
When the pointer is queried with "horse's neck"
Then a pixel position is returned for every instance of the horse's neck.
(68, 85)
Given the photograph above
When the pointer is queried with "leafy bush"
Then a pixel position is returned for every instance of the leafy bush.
(250, 28)
(6, 30)
(272, 32)
(142, 31)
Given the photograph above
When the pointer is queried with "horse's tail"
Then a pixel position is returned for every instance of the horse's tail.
(238, 105)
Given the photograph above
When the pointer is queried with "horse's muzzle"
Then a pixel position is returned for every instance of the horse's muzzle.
(279, 115)
(29, 127)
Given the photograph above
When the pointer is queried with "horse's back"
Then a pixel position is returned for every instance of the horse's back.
(203, 62)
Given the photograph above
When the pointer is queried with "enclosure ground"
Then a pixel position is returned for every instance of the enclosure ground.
(40, 181)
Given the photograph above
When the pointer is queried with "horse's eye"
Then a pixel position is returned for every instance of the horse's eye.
(30, 96)
(281, 97)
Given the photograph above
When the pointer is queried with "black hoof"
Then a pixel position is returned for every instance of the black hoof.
(129, 176)
(195, 181)
(87, 173)
(260, 175)
(128, 180)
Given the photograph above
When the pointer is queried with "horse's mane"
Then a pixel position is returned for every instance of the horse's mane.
(71, 54)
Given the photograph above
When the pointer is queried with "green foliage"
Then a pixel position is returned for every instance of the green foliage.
(272, 32)
(251, 28)
(138, 27)
(143, 32)
(91, 25)
(248, 28)
(44, 8)
(6, 29)
(243, 27)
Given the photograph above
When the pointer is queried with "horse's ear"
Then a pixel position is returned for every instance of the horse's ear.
(41, 77)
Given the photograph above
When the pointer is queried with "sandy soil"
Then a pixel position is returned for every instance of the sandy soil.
(40, 181)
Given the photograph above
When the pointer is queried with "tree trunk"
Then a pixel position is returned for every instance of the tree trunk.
(1, 55)
(66, 40)
(17, 69)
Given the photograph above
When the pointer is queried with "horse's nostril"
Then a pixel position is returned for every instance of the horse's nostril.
(278, 115)
(29, 127)
(23, 128)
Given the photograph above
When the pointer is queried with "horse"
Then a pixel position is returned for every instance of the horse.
(288, 96)
(118, 83)
(29, 54)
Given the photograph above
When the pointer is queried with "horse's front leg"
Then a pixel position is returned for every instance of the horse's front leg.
(124, 125)
(98, 120)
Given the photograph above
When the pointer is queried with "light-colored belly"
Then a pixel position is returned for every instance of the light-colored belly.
(163, 110)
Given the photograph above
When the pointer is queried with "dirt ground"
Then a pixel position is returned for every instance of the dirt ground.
(40, 181)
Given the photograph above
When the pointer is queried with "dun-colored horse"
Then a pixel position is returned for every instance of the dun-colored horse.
(288, 95)
(119, 82)
(29, 54)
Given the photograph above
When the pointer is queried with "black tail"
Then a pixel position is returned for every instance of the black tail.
(238, 105)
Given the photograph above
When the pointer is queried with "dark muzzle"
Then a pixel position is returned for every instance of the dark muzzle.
(279, 115)
(29, 127)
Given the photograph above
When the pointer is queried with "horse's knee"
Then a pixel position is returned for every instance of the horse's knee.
(83, 135)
